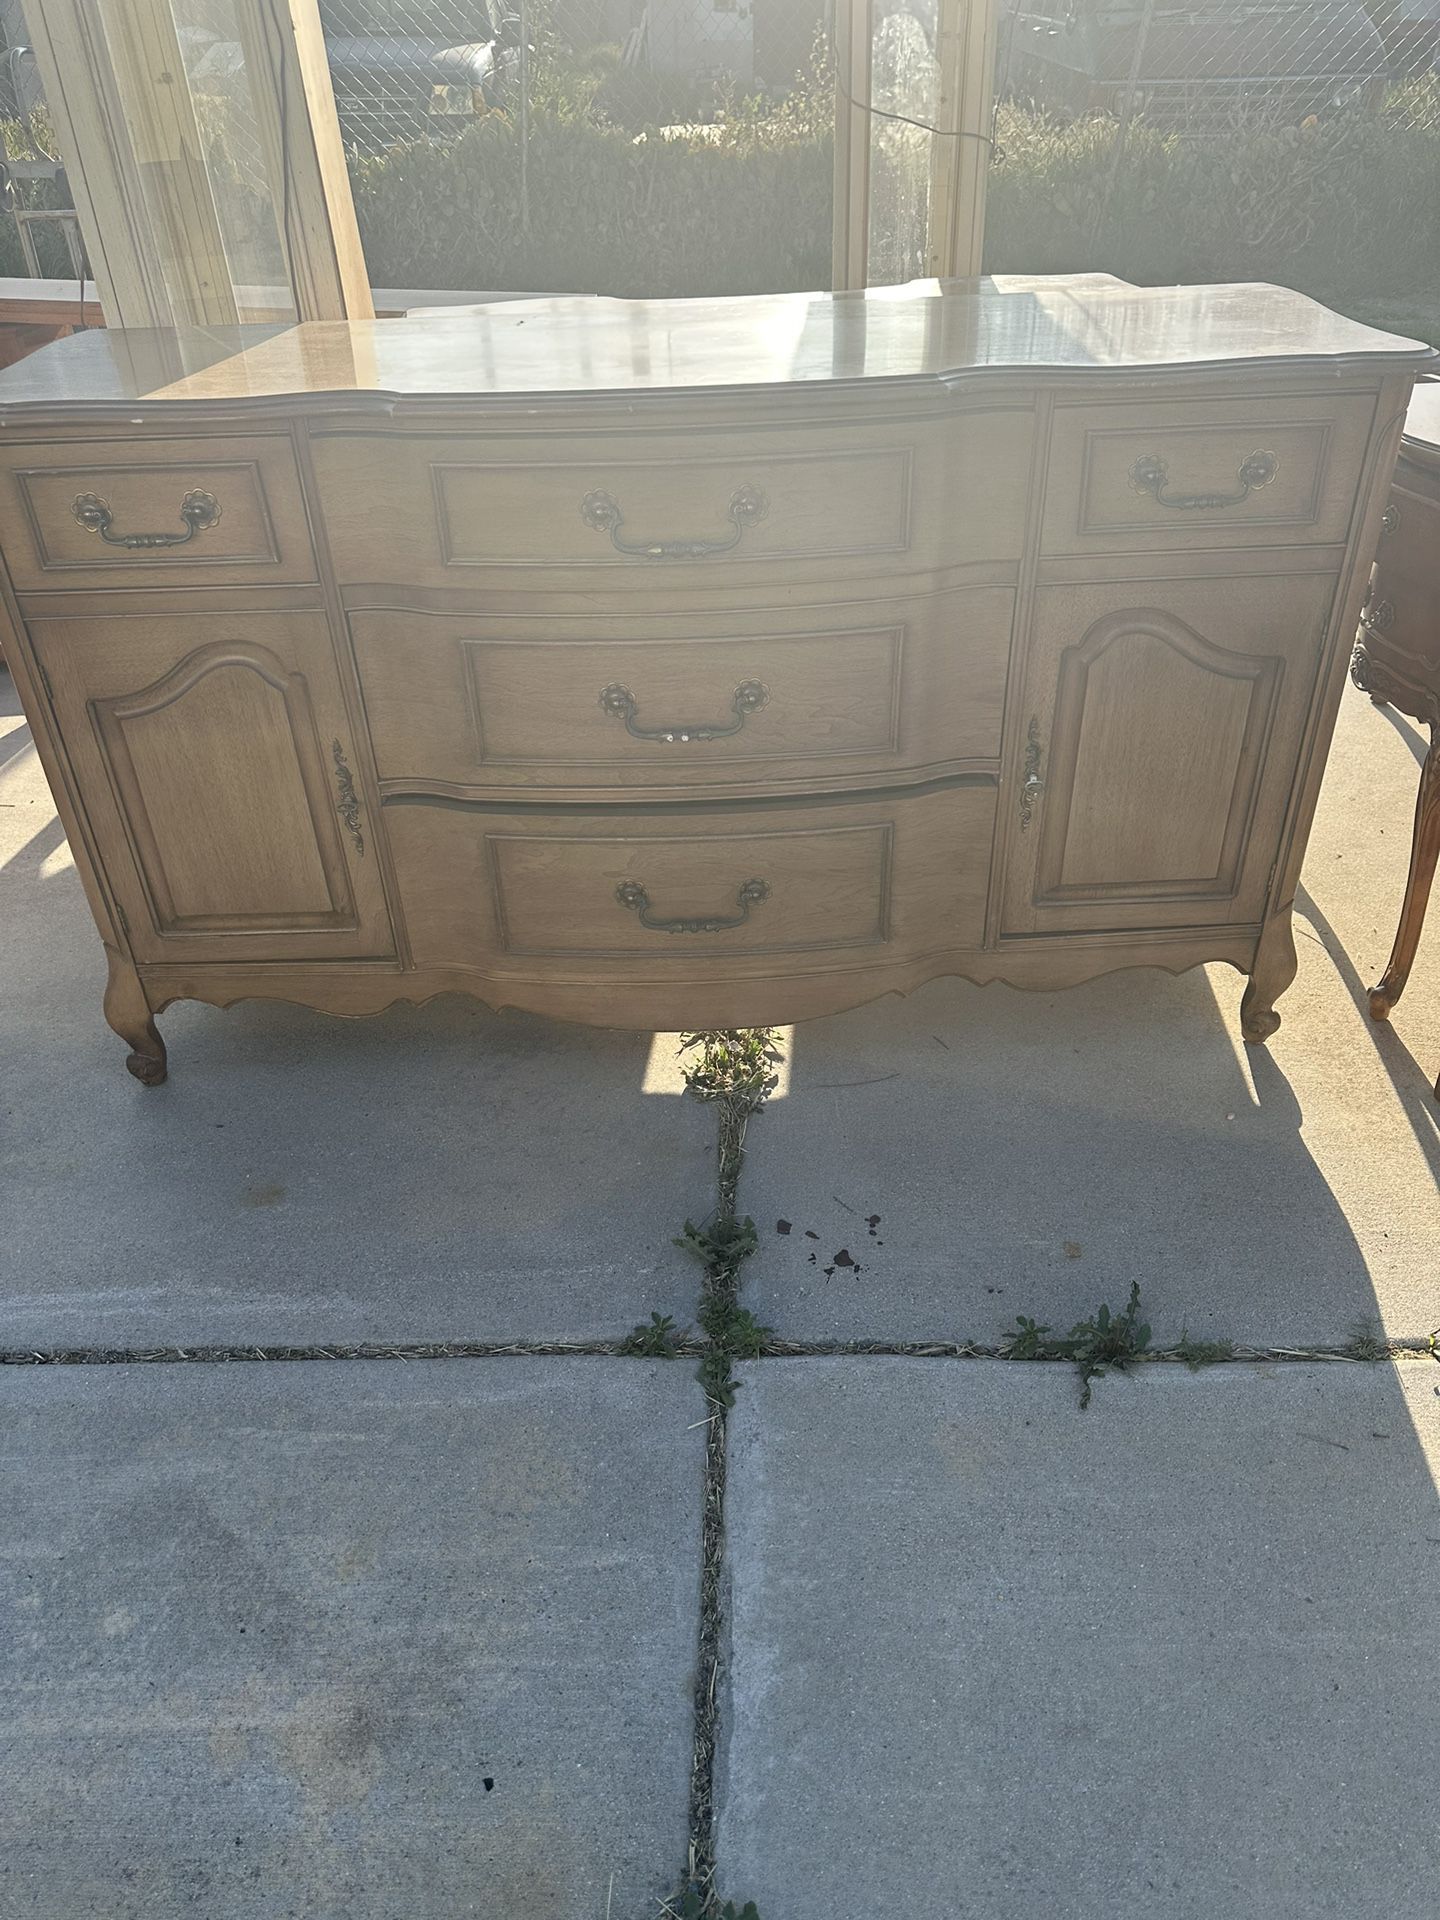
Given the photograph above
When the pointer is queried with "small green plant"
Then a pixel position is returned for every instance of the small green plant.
(1202, 1353)
(658, 1338)
(734, 1330)
(721, 1246)
(1028, 1341)
(1096, 1345)
(716, 1377)
(1107, 1341)
(737, 1064)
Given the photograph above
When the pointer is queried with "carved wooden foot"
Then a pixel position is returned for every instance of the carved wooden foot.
(1424, 852)
(1274, 969)
(128, 1013)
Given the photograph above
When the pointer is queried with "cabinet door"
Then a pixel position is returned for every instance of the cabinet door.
(1158, 745)
(217, 766)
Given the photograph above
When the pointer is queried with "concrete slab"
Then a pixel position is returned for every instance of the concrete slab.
(996, 1658)
(352, 1641)
(1035, 1153)
(440, 1173)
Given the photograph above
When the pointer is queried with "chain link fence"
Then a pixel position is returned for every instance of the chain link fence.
(423, 69)
(1201, 72)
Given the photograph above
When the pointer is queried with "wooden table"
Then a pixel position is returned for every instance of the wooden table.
(1397, 656)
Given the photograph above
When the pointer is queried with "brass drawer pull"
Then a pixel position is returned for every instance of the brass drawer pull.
(198, 510)
(600, 510)
(631, 894)
(1150, 474)
(748, 698)
(1033, 786)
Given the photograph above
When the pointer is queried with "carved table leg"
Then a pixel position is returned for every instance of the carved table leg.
(128, 1013)
(1275, 967)
(1424, 851)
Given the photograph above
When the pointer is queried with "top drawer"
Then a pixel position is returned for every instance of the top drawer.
(187, 512)
(1215, 473)
(704, 509)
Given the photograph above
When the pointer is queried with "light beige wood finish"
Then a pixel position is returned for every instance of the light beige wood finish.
(1164, 733)
(1309, 445)
(956, 702)
(852, 694)
(289, 75)
(217, 759)
(965, 43)
(260, 532)
(850, 885)
(850, 216)
(804, 500)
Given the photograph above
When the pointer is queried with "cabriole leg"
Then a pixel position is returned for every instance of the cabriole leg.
(1424, 851)
(1274, 969)
(128, 1013)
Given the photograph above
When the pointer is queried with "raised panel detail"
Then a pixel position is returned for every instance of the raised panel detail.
(824, 696)
(1155, 754)
(1222, 473)
(823, 889)
(114, 513)
(778, 700)
(1156, 751)
(814, 504)
(220, 777)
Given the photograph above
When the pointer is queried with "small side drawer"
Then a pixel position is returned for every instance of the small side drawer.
(204, 512)
(696, 891)
(1223, 473)
(777, 701)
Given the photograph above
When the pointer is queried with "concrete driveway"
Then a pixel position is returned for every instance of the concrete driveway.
(359, 1561)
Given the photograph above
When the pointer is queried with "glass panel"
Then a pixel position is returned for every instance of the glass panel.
(905, 80)
(41, 239)
(236, 161)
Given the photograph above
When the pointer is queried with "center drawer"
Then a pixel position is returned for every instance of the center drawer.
(485, 702)
(700, 891)
(629, 511)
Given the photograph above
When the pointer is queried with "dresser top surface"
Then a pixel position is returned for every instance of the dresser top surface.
(1061, 327)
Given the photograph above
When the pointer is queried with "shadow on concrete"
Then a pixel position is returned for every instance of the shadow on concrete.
(435, 1173)
(1036, 1154)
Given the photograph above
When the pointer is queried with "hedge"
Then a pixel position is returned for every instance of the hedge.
(1348, 209)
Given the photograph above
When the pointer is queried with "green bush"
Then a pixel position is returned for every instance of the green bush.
(608, 212)
(1348, 209)
(1347, 203)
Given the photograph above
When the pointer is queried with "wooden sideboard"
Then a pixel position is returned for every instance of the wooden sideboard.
(695, 664)
(1397, 658)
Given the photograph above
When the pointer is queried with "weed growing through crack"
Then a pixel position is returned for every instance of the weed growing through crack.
(1202, 1353)
(1096, 1345)
(737, 1069)
(657, 1339)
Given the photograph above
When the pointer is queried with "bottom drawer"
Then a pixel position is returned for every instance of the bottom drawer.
(692, 892)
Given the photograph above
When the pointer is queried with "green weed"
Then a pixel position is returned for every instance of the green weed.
(1095, 1346)
(658, 1338)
